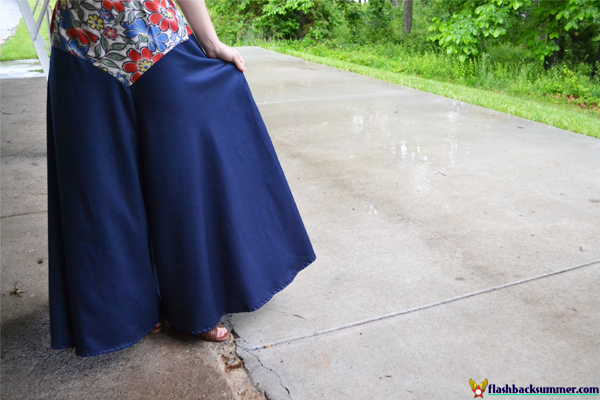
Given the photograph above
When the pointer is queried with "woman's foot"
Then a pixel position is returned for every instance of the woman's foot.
(157, 328)
(217, 334)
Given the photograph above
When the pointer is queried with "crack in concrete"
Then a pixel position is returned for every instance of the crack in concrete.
(238, 337)
(273, 371)
(419, 308)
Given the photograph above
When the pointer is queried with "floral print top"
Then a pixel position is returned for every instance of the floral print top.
(122, 37)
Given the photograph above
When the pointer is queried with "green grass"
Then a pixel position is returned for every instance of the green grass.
(20, 46)
(554, 110)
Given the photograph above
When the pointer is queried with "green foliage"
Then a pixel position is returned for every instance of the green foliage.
(246, 21)
(281, 19)
(462, 32)
(466, 27)
(379, 17)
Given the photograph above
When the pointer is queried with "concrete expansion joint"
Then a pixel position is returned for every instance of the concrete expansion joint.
(22, 214)
(420, 308)
(326, 98)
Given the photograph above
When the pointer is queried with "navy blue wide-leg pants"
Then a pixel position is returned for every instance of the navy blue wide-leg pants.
(165, 196)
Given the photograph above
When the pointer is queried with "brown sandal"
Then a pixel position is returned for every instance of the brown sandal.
(157, 328)
(213, 334)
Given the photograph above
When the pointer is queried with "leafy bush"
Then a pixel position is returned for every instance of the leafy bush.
(549, 29)
(484, 43)
(246, 21)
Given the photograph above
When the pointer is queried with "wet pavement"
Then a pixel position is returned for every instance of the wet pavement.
(9, 20)
(441, 230)
(453, 242)
(21, 69)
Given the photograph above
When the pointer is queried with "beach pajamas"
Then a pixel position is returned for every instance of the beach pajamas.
(165, 194)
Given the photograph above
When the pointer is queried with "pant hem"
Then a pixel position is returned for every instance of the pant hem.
(254, 307)
(97, 353)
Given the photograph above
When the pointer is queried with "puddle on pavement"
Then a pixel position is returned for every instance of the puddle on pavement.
(20, 69)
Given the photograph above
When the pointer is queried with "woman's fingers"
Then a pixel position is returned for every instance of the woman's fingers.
(239, 64)
(238, 61)
(230, 54)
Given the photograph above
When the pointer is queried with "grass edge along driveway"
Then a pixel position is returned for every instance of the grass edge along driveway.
(575, 120)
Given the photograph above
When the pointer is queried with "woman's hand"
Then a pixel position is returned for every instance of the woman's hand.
(197, 15)
(229, 54)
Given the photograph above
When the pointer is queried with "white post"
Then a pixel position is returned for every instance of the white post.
(33, 27)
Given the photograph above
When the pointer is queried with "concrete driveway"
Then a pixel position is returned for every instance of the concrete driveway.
(453, 242)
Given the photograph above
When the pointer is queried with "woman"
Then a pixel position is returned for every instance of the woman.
(166, 198)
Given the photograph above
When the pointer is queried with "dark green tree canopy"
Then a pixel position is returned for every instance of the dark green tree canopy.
(465, 27)
(550, 30)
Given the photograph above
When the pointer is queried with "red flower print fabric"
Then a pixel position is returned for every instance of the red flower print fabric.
(141, 62)
(163, 15)
(122, 37)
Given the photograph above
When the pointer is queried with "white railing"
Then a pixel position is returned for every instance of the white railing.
(33, 27)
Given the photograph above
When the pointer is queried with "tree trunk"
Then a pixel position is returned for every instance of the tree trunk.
(552, 60)
(408, 13)
(595, 67)
(395, 3)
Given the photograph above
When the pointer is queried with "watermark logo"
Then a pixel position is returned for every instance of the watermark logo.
(478, 389)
